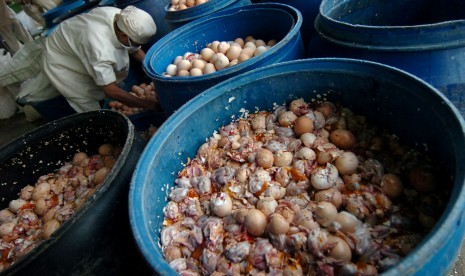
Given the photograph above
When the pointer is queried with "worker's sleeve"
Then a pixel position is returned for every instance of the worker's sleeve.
(103, 73)
(99, 59)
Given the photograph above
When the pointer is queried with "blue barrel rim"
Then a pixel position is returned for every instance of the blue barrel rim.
(51, 16)
(128, 3)
(65, 7)
(338, 32)
(435, 239)
(196, 12)
(161, 44)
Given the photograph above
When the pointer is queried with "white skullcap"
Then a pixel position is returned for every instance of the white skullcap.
(136, 23)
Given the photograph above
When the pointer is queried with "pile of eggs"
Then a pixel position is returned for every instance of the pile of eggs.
(218, 55)
(141, 91)
(178, 5)
(42, 208)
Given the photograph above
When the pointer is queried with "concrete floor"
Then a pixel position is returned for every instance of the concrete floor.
(17, 125)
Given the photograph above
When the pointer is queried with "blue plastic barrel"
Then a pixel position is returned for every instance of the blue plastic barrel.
(104, 3)
(176, 19)
(50, 16)
(258, 20)
(156, 8)
(389, 97)
(309, 10)
(423, 37)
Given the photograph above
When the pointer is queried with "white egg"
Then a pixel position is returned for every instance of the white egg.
(177, 60)
(221, 62)
(209, 68)
(248, 51)
(250, 45)
(255, 222)
(278, 225)
(308, 139)
(196, 72)
(325, 213)
(272, 42)
(183, 73)
(239, 41)
(223, 47)
(198, 63)
(249, 39)
(233, 52)
(16, 204)
(171, 69)
(260, 50)
(243, 57)
(182, 7)
(221, 204)
(207, 53)
(214, 46)
(213, 58)
(184, 65)
(232, 63)
(236, 44)
(347, 163)
(260, 42)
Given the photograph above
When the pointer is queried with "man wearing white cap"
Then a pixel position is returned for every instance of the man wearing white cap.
(86, 56)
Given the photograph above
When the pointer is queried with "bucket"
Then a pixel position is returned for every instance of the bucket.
(176, 19)
(425, 38)
(309, 10)
(156, 8)
(97, 239)
(388, 97)
(52, 15)
(257, 20)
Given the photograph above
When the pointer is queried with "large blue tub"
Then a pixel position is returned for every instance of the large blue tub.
(51, 17)
(258, 20)
(423, 37)
(405, 105)
(309, 10)
(176, 19)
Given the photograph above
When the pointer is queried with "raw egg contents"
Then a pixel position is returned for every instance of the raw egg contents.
(304, 189)
(42, 208)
